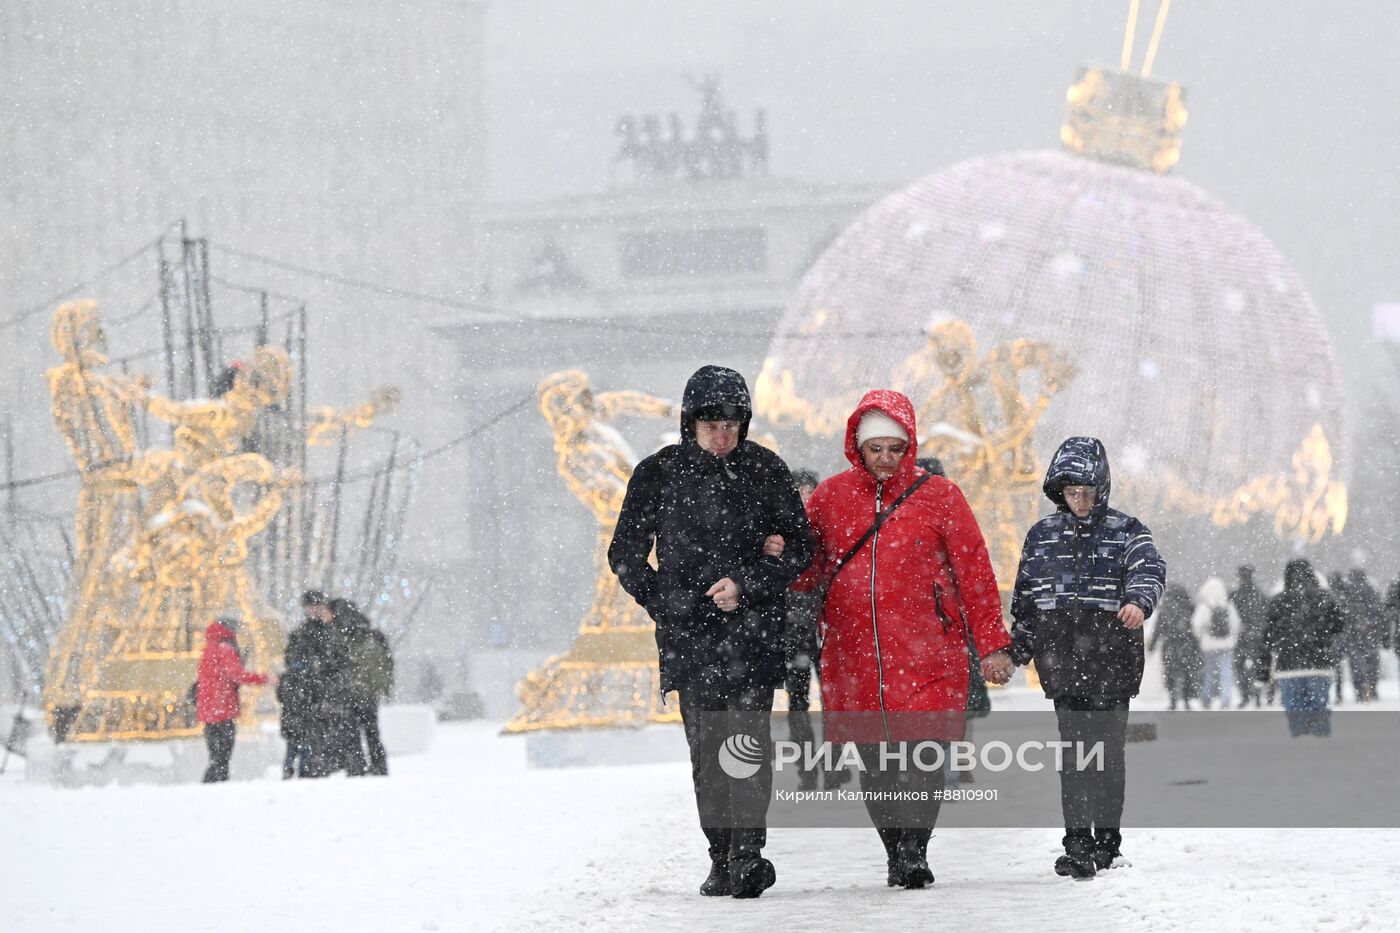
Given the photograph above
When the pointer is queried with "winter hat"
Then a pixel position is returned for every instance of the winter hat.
(876, 423)
(229, 622)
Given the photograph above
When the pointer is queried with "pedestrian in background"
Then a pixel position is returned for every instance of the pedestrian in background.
(221, 674)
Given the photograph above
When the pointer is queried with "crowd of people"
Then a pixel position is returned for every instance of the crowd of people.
(337, 667)
(1244, 646)
(879, 580)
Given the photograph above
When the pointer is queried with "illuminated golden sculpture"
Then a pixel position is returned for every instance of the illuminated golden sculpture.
(96, 414)
(326, 426)
(129, 651)
(609, 676)
(980, 420)
(164, 535)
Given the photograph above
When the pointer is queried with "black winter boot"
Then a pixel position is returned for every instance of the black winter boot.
(1108, 851)
(717, 882)
(913, 858)
(750, 874)
(1078, 860)
(890, 837)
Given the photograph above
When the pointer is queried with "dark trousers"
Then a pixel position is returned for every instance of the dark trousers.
(364, 721)
(733, 811)
(218, 736)
(798, 683)
(1244, 674)
(1093, 798)
(903, 777)
(297, 761)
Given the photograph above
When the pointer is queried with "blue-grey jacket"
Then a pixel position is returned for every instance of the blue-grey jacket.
(1075, 574)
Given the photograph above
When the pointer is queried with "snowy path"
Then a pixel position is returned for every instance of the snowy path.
(468, 838)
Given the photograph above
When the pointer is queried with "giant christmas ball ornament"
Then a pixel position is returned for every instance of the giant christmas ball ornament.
(1022, 298)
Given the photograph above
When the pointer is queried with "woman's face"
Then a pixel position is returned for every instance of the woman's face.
(881, 456)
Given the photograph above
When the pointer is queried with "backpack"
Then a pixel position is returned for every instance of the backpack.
(371, 665)
(1219, 623)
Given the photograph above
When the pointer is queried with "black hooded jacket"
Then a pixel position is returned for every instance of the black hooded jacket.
(708, 518)
(1303, 624)
(1075, 574)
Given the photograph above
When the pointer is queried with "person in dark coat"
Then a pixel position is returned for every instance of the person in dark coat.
(1252, 605)
(1363, 633)
(1298, 649)
(1089, 576)
(293, 694)
(1391, 628)
(316, 649)
(369, 679)
(221, 674)
(897, 618)
(1181, 653)
(730, 535)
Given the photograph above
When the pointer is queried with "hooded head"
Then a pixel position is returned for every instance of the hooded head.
(715, 393)
(1213, 593)
(224, 628)
(894, 406)
(1080, 461)
(1298, 574)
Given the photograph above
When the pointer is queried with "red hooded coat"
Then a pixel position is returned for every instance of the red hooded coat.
(220, 675)
(889, 647)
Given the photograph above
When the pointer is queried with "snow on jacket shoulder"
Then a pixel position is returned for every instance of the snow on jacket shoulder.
(220, 676)
(896, 617)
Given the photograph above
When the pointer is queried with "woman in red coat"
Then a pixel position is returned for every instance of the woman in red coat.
(897, 616)
(221, 673)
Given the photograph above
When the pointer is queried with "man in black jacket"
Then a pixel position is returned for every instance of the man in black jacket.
(709, 504)
(316, 651)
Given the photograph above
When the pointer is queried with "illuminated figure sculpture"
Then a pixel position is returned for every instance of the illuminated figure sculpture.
(164, 534)
(96, 413)
(609, 676)
(980, 421)
(184, 563)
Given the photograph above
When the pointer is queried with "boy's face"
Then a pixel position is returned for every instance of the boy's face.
(1080, 500)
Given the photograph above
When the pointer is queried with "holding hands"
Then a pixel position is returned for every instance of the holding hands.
(997, 668)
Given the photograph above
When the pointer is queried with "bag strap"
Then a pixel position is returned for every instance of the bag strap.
(879, 520)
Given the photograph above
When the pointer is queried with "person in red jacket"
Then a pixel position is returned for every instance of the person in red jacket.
(221, 673)
(894, 662)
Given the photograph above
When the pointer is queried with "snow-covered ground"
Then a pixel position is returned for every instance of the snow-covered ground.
(467, 837)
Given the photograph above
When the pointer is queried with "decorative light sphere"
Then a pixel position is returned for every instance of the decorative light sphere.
(1198, 356)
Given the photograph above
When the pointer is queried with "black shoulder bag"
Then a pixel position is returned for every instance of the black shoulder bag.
(860, 543)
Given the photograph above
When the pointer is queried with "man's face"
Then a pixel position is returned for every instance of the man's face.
(1080, 500)
(717, 437)
(318, 612)
(806, 493)
(882, 455)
